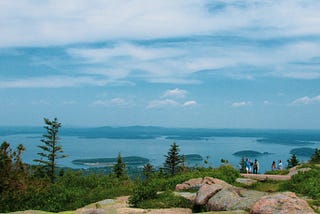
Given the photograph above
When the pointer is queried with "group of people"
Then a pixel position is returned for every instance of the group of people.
(252, 167)
(274, 166)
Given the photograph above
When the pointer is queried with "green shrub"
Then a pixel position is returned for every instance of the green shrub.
(306, 183)
(142, 191)
(165, 200)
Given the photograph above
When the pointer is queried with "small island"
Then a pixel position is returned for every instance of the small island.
(303, 151)
(250, 153)
(102, 162)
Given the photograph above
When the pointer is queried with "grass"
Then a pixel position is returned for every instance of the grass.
(267, 186)
(165, 200)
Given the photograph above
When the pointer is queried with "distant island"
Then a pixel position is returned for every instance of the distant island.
(250, 153)
(101, 162)
(304, 151)
(130, 161)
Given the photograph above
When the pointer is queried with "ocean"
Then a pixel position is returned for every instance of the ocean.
(154, 142)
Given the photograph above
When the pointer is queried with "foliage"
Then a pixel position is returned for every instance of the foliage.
(315, 158)
(306, 183)
(242, 165)
(119, 168)
(174, 160)
(71, 191)
(165, 200)
(293, 161)
(51, 149)
(147, 170)
(12, 170)
(142, 191)
(266, 186)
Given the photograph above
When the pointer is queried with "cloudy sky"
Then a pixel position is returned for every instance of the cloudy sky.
(181, 63)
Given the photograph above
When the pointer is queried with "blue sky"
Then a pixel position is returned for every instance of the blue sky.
(182, 63)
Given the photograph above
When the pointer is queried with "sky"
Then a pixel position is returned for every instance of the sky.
(171, 63)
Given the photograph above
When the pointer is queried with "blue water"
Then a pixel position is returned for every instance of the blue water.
(153, 144)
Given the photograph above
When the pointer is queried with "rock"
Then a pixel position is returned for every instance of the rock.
(205, 192)
(246, 181)
(188, 195)
(248, 198)
(282, 203)
(196, 183)
(91, 211)
(225, 199)
(294, 170)
(170, 211)
(180, 187)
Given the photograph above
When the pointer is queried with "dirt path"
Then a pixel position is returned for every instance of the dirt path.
(262, 177)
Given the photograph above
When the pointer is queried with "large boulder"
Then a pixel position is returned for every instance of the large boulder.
(205, 192)
(282, 203)
(196, 183)
(225, 199)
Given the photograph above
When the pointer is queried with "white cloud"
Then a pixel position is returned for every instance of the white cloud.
(306, 100)
(112, 102)
(59, 22)
(52, 82)
(141, 53)
(189, 103)
(266, 102)
(176, 93)
(241, 104)
(162, 103)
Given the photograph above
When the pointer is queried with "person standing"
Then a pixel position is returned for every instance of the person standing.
(255, 166)
(273, 166)
(247, 164)
(280, 165)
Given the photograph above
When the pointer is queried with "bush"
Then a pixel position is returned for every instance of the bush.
(165, 200)
(142, 191)
(306, 183)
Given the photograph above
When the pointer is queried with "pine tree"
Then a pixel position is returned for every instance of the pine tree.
(315, 158)
(51, 148)
(173, 160)
(119, 168)
(293, 161)
(147, 170)
(242, 165)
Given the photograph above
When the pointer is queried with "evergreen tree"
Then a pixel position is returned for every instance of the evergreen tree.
(119, 168)
(242, 165)
(147, 170)
(51, 148)
(293, 161)
(315, 158)
(173, 160)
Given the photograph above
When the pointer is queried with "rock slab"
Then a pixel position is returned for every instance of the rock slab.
(282, 203)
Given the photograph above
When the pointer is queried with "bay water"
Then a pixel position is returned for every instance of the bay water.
(213, 148)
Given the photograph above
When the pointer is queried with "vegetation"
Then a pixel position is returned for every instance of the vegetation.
(174, 160)
(71, 191)
(51, 150)
(119, 168)
(148, 170)
(242, 165)
(306, 183)
(293, 161)
(315, 158)
(12, 170)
